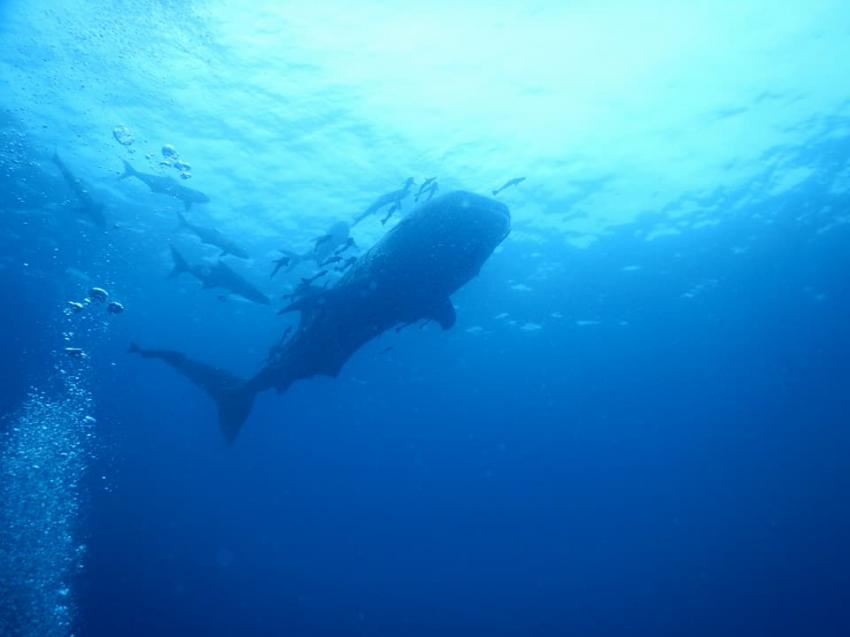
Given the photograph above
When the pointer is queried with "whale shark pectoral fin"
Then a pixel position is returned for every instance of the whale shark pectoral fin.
(444, 314)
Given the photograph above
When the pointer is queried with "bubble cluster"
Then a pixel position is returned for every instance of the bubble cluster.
(123, 135)
(96, 295)
(44, 452)
(172, 159)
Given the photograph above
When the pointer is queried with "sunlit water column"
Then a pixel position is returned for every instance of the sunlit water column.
(46, 449)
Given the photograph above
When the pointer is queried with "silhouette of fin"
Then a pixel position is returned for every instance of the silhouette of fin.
(129, 171)
(233, 396)
(180, 264)
(444, 314)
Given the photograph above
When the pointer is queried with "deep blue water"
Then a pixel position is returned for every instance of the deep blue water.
(638, 425)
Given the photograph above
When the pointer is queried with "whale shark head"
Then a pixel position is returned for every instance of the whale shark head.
(465, 229)
(486, 220)
(438, 246)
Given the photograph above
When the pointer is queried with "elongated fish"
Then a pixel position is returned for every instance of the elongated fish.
(213, 237)
(393, 198)
(335, 241)
(166, 186)
(218, 275)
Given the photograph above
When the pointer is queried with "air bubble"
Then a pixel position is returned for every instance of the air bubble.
(123, 135)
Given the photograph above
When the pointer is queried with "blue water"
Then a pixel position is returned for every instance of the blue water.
(638, 424)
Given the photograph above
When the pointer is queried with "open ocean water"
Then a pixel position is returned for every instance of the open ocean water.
(632, 418)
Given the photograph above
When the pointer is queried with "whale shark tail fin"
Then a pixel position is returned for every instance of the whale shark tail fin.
(234, 405)
(129, 171)
(180, 264)
(233, 396)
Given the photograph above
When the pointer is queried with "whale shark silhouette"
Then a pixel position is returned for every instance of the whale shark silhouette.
(407, 276)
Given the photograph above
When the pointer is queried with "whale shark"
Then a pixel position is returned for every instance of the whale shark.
(408, 276)
(217, 275)
(166, 186)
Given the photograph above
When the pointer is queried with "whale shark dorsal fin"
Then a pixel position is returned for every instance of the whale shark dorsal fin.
(444, 314)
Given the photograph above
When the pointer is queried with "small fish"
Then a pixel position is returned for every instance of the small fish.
(346, 264)
(334, 259)
(282, 262)
(349, 243)
(428, 187)
(432, 190)
(76, 306)
(391, 211)
(511, 182)
(75, 352)
(312, 279)
(391, 198)
(335, 241)
(423, 187)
